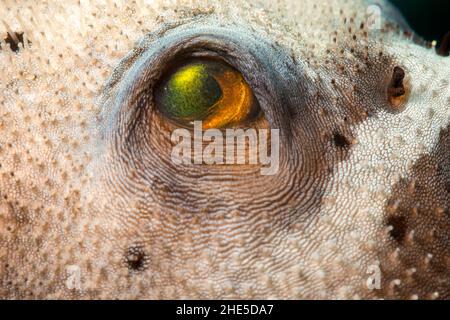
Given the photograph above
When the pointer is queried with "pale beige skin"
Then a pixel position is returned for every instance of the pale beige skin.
(86, 181)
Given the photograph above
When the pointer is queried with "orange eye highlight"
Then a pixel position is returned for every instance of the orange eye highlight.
(236, 101)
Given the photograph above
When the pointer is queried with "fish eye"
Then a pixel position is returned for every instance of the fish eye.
(206, 90)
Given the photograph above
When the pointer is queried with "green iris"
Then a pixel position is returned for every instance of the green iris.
(191, 93)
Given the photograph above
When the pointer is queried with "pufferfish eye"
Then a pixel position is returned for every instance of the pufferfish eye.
(207, 90)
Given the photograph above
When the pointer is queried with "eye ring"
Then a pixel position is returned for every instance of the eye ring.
(205, 89)
(128, 97)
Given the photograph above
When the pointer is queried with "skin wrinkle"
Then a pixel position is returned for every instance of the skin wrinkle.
(86, 177)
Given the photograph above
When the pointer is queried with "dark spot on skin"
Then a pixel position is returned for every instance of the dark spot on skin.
(447, 187)
(136, 258)
(398, 224)
(13, 43)
(340, 140)
(444, 48)
(418, 212)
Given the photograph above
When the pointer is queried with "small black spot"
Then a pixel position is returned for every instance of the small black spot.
(136, 258)
(399, 226)
(13, 43)
(341, 141)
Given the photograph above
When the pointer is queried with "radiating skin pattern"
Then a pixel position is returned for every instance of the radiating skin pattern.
(86, 178)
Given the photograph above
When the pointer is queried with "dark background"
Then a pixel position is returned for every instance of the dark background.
(429, 18)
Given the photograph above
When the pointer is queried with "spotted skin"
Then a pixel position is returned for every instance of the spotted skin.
(87, 183)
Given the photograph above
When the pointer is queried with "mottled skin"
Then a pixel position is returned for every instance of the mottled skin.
(86, 177)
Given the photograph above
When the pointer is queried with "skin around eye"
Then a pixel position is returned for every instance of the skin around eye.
(206, 90)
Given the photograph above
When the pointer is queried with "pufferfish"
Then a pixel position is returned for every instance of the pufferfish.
(93, 207)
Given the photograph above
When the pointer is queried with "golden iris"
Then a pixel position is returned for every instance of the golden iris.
(206, 90)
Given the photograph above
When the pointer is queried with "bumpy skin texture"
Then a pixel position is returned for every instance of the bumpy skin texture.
(86, 177)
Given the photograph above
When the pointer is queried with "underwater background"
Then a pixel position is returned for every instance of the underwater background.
(429, 18)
